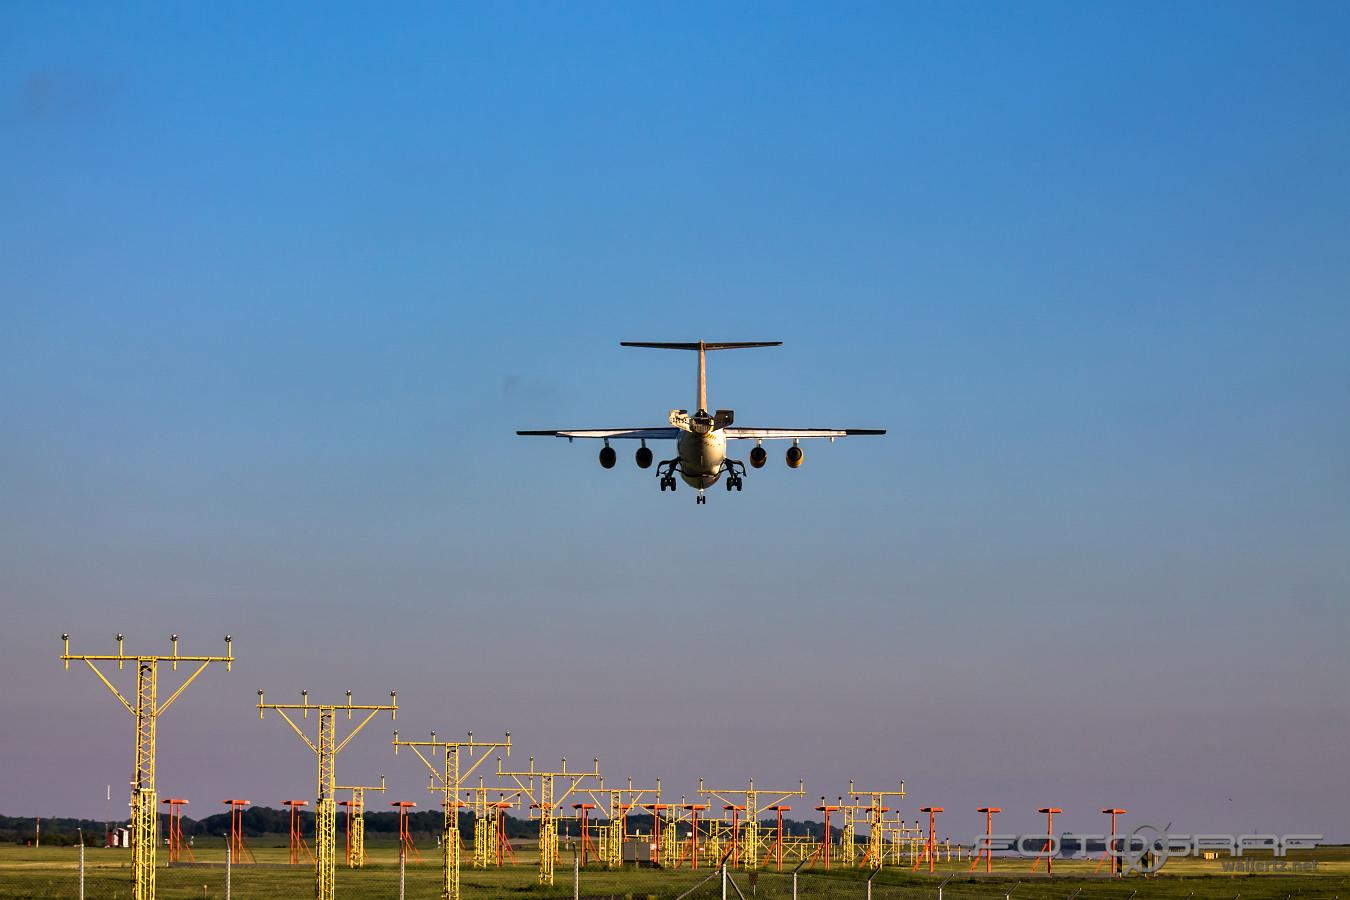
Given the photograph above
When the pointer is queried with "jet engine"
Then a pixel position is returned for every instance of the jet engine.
(608, 456)
(795, 457)
(644, 457)
(758, 457)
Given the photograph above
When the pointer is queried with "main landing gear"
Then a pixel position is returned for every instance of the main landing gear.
(665, 470)
(735, 469)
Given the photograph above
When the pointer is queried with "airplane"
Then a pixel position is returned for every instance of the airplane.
(701, 439)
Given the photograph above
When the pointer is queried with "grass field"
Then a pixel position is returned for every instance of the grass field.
(54, 872)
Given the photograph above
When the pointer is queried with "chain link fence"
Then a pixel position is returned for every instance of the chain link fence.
(106, 875)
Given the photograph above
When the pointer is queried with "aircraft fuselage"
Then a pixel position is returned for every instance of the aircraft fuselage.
(701, 457)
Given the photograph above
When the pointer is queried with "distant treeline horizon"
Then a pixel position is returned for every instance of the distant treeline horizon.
(264, 820)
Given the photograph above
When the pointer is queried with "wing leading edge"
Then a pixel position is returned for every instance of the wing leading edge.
(635, 434)
(732, 433)
(769, 434)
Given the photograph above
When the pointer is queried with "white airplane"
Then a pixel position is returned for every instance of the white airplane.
(701, 439)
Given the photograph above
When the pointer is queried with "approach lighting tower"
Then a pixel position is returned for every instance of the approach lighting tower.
(238, 850)
(448, 781)
(826, 838)
(539, 787)
(146, 710)
(298, 846)
(489, 839)
(930, 847)
(1051, 845)
(503, 843)
(620, 802)
(776, 845)
(177, 846)
(988, 850)
(406, 848)
(752, 800)
(657, 809)
(875, 855)
(1111, 853)
(691, 812)
(356, 821)
(326, 748)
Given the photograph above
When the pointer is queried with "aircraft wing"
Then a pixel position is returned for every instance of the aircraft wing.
(769, 434)
(635, 434)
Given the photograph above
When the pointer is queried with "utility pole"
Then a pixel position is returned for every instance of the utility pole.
(146, 710)
(326, 748)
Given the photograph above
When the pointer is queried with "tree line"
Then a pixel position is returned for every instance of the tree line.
(262, 820)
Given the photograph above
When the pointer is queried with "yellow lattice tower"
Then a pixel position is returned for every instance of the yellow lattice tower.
(356, 821)
(873, 803)
(146, 710)
(618, 801)
(848, 832)
(752, 799)
(447, 781)
(487, 841)
(326, 748)
(539, 787)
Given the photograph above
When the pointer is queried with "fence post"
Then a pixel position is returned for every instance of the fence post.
(402, 870)
(229, 860)
(724, 881)
(794, 886)
(576, 875)
(81, 865)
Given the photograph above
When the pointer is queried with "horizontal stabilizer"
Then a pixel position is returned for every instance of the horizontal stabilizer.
(704, 345)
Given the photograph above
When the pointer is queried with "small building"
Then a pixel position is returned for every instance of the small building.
(120, 837)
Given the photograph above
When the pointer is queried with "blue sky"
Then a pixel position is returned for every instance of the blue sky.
(277, 286)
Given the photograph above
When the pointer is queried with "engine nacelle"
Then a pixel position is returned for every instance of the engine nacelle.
(795, 457)
(608, 457)
(644, 457)
(758, 457)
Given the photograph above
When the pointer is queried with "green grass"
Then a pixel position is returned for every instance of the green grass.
(52, 872)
